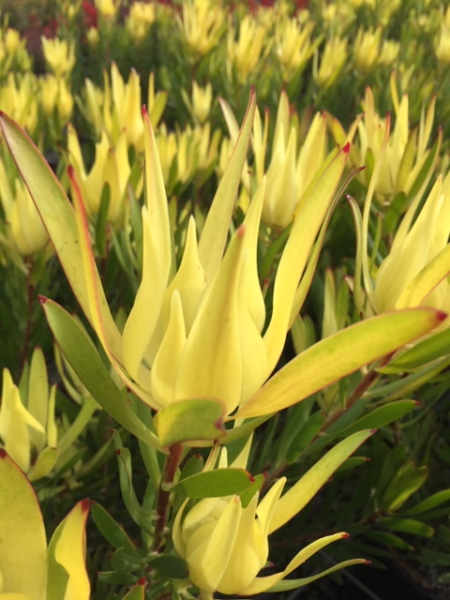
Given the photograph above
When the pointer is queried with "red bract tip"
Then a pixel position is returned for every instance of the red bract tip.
(144, 110)
(241, 231)
(118, 452)
(71, 171)
(346, 148)
(372, 431)
(345, 536)
(42, 299)
(367, 562)
(142, 581)
(219, 425)
(85, 504)
(441, 315)
(251, 478)
(3, 453)
(416, 402)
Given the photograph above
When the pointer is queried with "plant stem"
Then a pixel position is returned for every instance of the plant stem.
(357, 393)
(162, 505)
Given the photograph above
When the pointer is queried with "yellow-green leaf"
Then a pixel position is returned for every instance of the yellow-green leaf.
(338, 355)
(23, 543)
(190, 421)
(307, 487)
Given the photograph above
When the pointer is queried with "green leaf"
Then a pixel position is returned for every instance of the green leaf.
(298, 496)
(44, 463)
(411, 526)
(292, 584)
(424, 352)
(86, 363)
(193, 466)
(58, 216)
(255, 487)
(170, 567)
(342, 353)
(305, 435)
(407, 480)
(212, 484)
(137, 592)
(123, 562)
(143, 518)
(110, 529)
(190, 422)
(381, 416)
(117, 578)
(429, 503)
(351, 463)
(389, 539)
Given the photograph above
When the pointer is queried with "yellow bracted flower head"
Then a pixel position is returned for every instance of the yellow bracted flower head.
(27, 233)
(293, 45)
(225, 544)
(415, 270)
(107, 8)
(19, 97)
(331, 63)
(402, 146)
(110, 167)
(27, 424)
(244, 52)
(202, 25)
(442, 44)
(59, 55)
(140, 18)
(366, 48)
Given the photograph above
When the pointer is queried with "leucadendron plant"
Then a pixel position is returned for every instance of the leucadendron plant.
(196, 356)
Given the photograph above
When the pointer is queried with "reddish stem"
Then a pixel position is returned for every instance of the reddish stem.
(162, 505)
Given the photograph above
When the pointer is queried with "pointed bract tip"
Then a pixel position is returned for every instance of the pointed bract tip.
(42, 299)
(416, 402)
(372, 431)
(250, 477)
(441, 315)
(118, 452)
(142, 581)
(3, 453)
(252, 89)
(241, 231)
(345, 536)
(219, 425)
(367, 562)
(144, 110)
(85, 505)
(346, 148)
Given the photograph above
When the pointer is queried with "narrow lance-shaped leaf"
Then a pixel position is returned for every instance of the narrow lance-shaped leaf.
(87, 364)
(307, 487)
(338, 355)
(23, 544)
(59, 220)
(213, 484)
(67, 549)
(215, 231)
